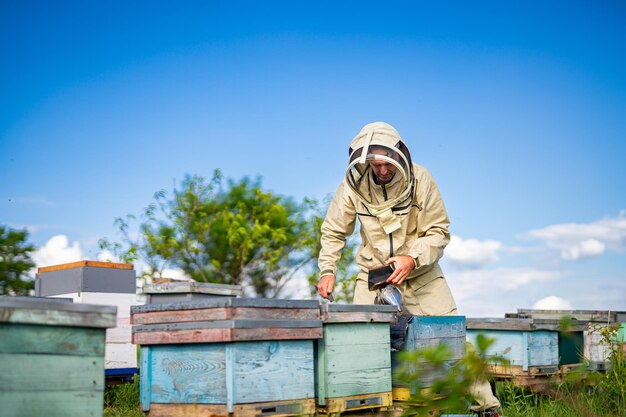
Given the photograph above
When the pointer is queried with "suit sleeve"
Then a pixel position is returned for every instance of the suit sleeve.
(433, 225)
(337, 226)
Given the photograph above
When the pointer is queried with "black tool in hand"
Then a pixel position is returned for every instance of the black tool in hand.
(377, 277)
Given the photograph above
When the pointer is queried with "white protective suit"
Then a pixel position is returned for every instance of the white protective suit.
(406, 216)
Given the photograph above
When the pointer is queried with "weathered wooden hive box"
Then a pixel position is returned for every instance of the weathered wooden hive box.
(101, 283)
(353, 359)
(169, 292)
(530, 346)
(245, 356)
(52, 357)
(595, 348)
(427, 332)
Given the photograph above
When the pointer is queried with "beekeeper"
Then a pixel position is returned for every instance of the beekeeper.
(403, 222)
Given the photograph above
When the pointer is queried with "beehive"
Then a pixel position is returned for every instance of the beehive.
(52, 357)
(530, 348)
(101, 283)
(353, 361)
(227, 355)
(426, 332)
(596, 349)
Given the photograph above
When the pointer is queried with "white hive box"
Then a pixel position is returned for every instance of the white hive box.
(99, 283)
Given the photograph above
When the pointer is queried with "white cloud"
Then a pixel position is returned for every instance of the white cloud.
(107, 256)
(472, 252)
(552, 303)
(493, 292)
(57, 250)
(577, 241)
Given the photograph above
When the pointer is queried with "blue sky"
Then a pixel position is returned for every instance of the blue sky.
(518, 110)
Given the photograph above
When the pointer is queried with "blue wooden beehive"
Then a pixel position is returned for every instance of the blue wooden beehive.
(582, 340)
(529, 348)
(52, 357)
(227, 355)
(353, 361)
(426, 332)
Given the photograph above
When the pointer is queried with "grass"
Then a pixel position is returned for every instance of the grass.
(123, 400)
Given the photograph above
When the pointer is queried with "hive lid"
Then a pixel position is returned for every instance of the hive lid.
(226, 302)
(37, 310)
(80, 264)
(523, 324)
(357, 313)
(192, 287)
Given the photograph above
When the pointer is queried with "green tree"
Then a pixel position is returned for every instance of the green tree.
(15, 261)
(233, 233)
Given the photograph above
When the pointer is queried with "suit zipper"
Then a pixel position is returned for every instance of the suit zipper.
(390, 234)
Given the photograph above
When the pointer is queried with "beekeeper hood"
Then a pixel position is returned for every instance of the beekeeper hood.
(380, 142)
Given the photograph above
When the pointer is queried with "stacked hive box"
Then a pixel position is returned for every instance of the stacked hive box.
(427, 332)
(596, 349)
(227, 355)
(169, 292)
(101, 283)
(52, 357)
(531, 347)
(353, 361)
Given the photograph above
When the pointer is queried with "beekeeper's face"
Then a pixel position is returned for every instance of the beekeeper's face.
(383, 170)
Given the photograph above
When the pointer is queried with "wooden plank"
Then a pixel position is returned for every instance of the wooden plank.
(499, 324)
(321, 371)
(187, 374)
(358, 357)
(25, 338)
(192, 287)
(57, 318)
(356, 382)
(598, 316)
(351, 308)
(188, 410)
(79, 264)
(356, 334)
(345, 313)
(24, 372)
(400, 393)
(145, 377)
(428, 373)
(357, 317)
(43, 303)
(273, 371)
(507, 371)
(543, 348)
(357, 402)
(57, 403)
(287, 305)
(227, 324)
(276, 409)
(455, 344)
(428, 327)
(224, 335)
(224, 313)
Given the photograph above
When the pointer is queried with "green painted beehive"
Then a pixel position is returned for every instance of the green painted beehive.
(353, 359)
(52, 357)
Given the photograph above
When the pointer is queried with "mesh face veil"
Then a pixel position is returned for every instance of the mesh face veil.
(380, 142)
